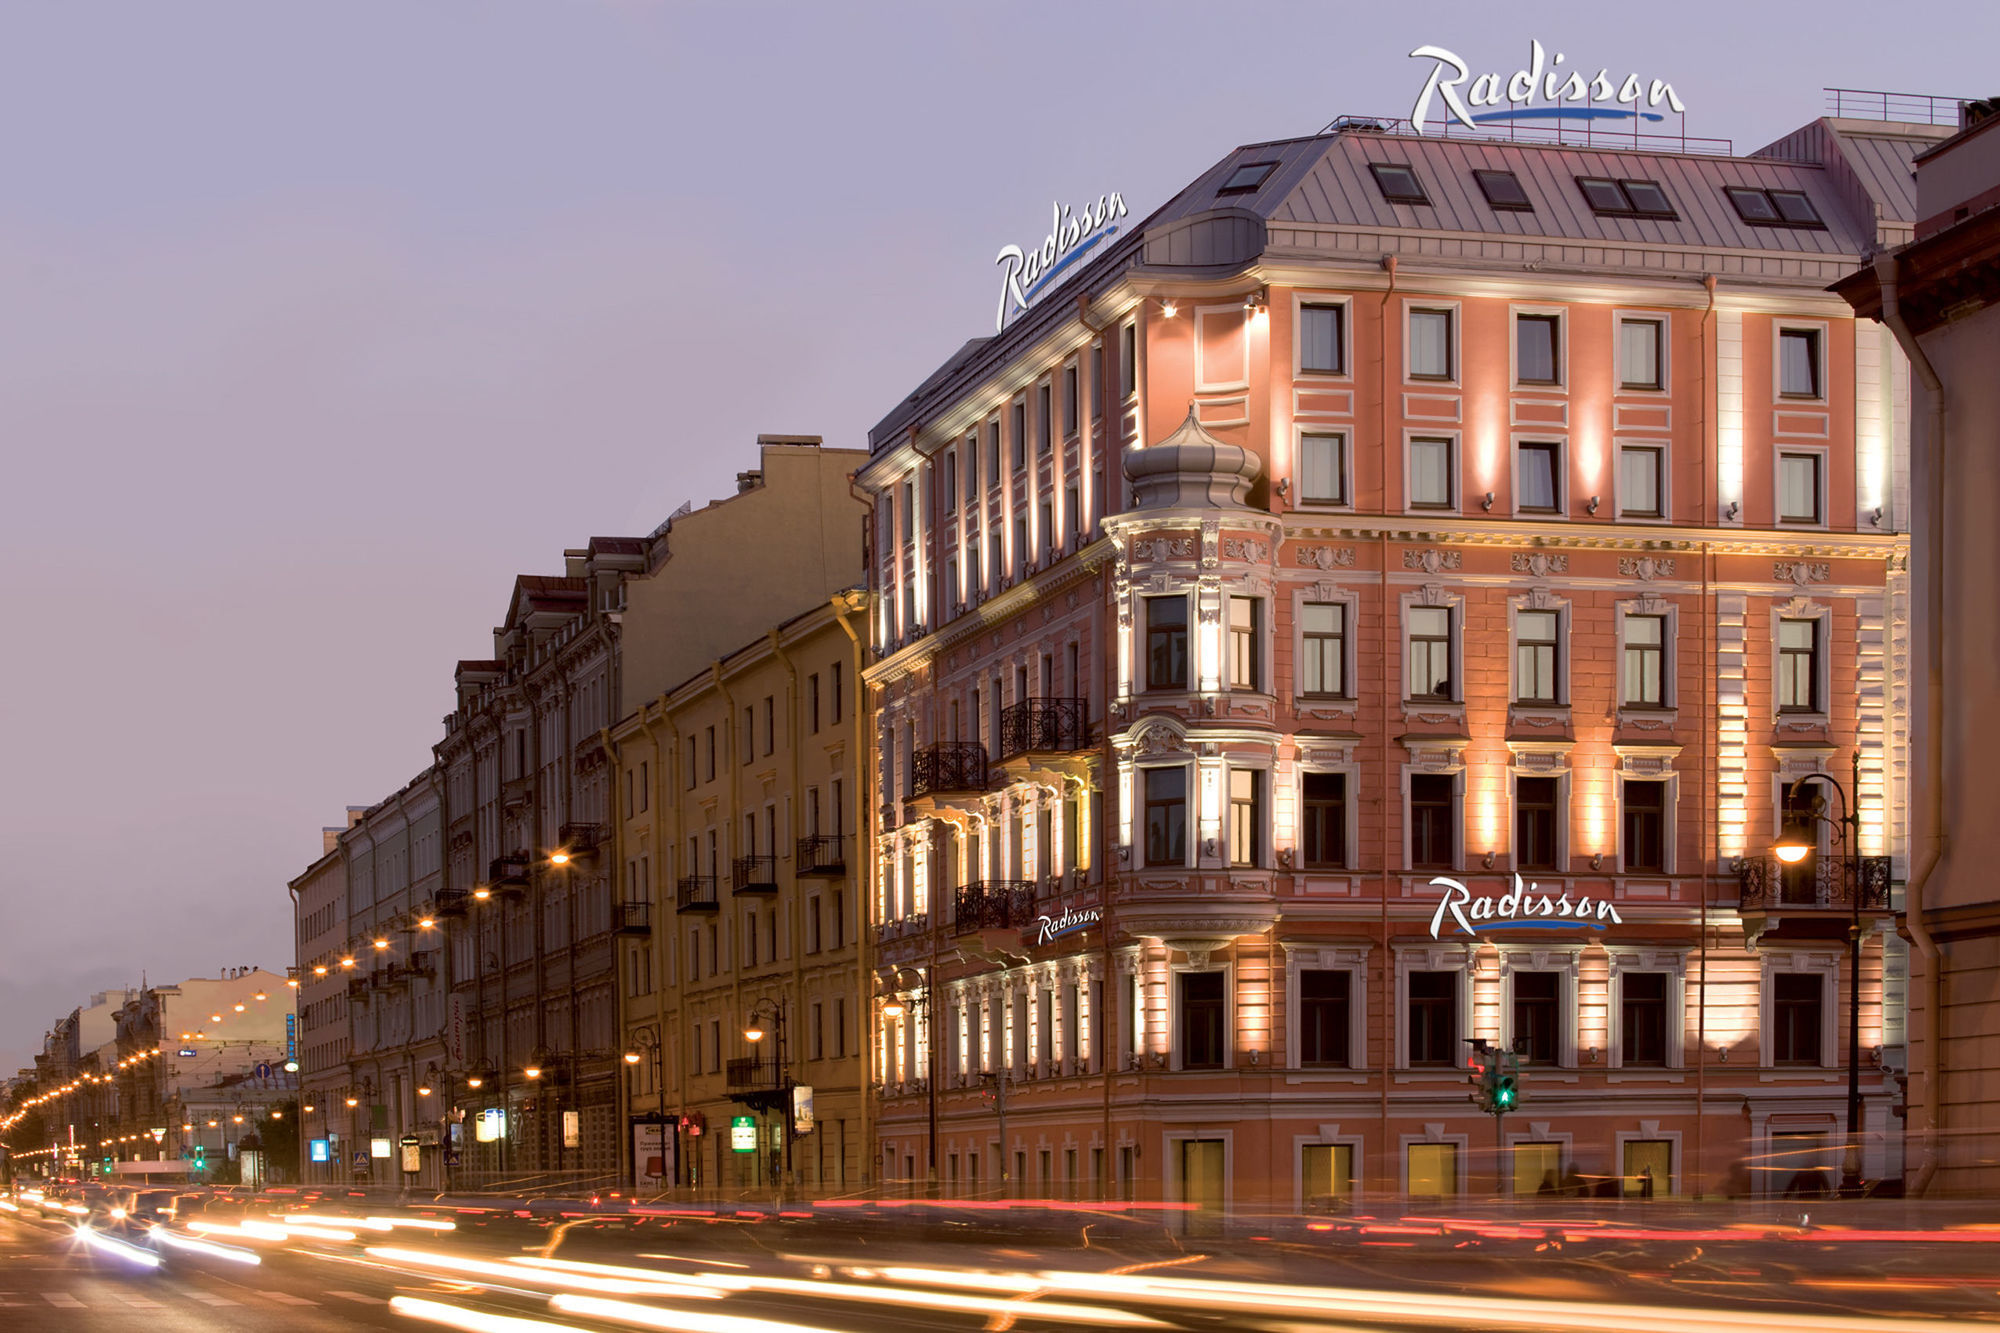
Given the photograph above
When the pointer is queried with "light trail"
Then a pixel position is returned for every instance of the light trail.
(680, 1321)
(209, 1248)
(473, 1321)
(930, 1300)
(464, 1266)
(130, 1253)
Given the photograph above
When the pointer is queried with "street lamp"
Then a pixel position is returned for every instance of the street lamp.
(909, 994)
(754, 1031)
(1796, 841)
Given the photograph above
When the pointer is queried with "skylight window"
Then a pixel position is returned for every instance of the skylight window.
(1626, 198)
(1503, 191)
(1773, 208)
(1399, 184)
(1247, 177)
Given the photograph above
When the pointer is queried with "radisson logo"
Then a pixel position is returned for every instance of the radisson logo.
(1519, 907)
(1568, 93)
(1025, 274)
(1047, 928)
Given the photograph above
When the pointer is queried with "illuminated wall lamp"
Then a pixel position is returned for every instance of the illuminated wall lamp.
(1169, 308)
(1487, 503)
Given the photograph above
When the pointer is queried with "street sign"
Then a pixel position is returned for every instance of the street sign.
(413, 1154)
(361, 1161)
(743, 1133)
(263, 1069)
(318, 1150)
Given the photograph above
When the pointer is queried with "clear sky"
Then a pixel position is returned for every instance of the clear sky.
(318, 322)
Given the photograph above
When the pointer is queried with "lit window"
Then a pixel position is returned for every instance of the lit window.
(1324, 669)
(1433, 1170)
(1503, 191)
(1798, 363)
(1246, 820)
(1430, 473)
(1538, 349)
(1639, 468)
(1323, 339)
(1430, 653)
(1798, 488)
(1247, 177)
(1535, 656)
(1323, 468)
(1540, 487)
(1398, 183)
(1798, 666)
(1639, 362)
(1243, 627)
(1430, 344)
(1645, 661)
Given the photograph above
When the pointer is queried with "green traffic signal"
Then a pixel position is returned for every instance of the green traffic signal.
(1505, 1093)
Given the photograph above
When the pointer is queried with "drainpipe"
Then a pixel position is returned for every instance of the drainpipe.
(1936, 852)
(1391, 671)
(1708, 785)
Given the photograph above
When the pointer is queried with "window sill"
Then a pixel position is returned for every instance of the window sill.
(1644, 718)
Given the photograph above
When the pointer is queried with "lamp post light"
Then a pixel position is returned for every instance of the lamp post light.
(910, 994)
(754, 1031)
(1798, 840)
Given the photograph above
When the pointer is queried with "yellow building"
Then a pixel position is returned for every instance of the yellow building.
(739, 800)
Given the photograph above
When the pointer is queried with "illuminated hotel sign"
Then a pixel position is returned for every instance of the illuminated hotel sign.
(1565, 94)
(1528, 908)
(1048, 928)
(1026, 274)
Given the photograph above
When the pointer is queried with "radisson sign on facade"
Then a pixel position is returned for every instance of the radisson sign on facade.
(1025, 274)
(1565, 94)
(1529, 908)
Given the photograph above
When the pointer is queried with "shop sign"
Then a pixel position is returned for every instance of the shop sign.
(1025, 274)
(380, 1149)
(649, 1154)
(413, 1153)
(743, 1133)
(1069, 922)
(1519, 908)
(802, 1109)
(492, 1125)
(1563, 94)
(317, 1150)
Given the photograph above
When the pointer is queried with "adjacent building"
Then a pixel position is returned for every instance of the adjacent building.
(1939, 294)
(1386, 603)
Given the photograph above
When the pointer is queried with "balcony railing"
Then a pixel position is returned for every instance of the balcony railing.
(423, 963)
(357, 988)
(1043, 726)
(695, 893)
(509, 872)
(634, 918)
(580, 839)
(948, 766)
(753, 1075)
(821, 854)
(452, 901)
(754, 874)
(991, 904)
(1816, 884)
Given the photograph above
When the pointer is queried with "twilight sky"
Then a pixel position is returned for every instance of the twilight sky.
(322, 321)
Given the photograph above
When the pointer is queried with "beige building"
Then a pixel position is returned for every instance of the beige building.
(1940, 296)
(740, 798)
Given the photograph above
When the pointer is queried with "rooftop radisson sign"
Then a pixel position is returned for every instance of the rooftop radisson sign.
(1025, 274)
(1528, 908)
(1541, 90)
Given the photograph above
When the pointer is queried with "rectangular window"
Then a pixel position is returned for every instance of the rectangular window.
(1201, 1020)
(1246, 817)
(1639, 362)
(1538, 1016)
(839, 699)
(1625, 198)
(993, 452)
(1323, 672)
(747, 738)
(1643, 1018)
(1097, 381)
(1430, 472)
(1326, 1175)
(1323, 339)
(1644, 828)
(711, 754)
(1798, 363)
(1433, 1018)
(1538, 349)
(1073, 508)
(1398, 183)
(693, 775)
(1325, 1031)
(1166, 643)
(1128, 360)
(1798, 488)
(1045, 516)
(1433, 822)
(1433, 1170)
(1639, 469)
(972, 466)
(1645, 661)
(1430, 653)
(1537, 822)
(812, 701)
(1166, 816)
(1020, 545)
(1535, 644)
(949, 488)
(1323, 468)
(1044, 427)
(1648, 1168)
(1245, 624)
(1069, 400)
(1539, 469)
(770, 724)
(1798, 666)
(1019, 422)
(1503, 191)
(1431, 351)
(1324, 825)
(1795, 1017)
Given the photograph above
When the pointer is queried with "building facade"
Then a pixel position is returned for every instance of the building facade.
(1386, 603)
(1939, 294)
(741, 800)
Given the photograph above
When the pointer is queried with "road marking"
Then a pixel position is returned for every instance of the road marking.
(358, 1296)
(140, 1302)
(286, 1298)
(62, 1300)
(207, 1298)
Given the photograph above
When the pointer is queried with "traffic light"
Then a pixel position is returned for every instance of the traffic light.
(1497, 1086)
(200, 1158)
(1505, 1092)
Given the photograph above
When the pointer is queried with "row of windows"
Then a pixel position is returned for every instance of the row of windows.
(700, 750)
(1432, 650)
(1540, 348)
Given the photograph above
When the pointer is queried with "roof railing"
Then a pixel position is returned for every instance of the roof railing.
(1908, 108)
(1589, 134)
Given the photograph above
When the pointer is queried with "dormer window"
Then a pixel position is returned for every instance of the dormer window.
(1774, 208)
(1398, 183)
(1247, 177)
(1503, 191)
(1625, 198)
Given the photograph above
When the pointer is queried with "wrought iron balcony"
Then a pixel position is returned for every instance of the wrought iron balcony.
(754, 874)
(357, 988)
(695, 893)
(634, 918)
(1820, 883)
(991, 904)
(452, 901)
(753, 1075)
(1043, 726)
(509, 872)
(948, 767)
(821, 854)
(423, 963)
(580, 839)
